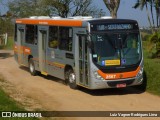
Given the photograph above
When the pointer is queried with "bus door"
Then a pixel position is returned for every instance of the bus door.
(82, 60)
(20, 43)
(42, 42)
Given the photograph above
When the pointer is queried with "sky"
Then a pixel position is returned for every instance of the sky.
(125, 11)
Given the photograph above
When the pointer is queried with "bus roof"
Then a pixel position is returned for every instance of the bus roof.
(112, 21)
(77, 22)
(64, 22)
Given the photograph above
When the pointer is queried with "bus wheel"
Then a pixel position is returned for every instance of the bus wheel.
(72, 79)
(32, 67)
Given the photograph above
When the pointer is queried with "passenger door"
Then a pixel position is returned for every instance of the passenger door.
(20, 43)
(42, 42)
(82, 62)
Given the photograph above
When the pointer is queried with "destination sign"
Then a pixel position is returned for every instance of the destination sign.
(105, 27)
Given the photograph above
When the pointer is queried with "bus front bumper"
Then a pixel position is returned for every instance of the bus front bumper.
(119, 83)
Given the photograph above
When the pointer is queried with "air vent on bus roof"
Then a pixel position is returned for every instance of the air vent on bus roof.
(33, 17)
(106, 17)
(81, 17)
(56, 17)
(43, 17)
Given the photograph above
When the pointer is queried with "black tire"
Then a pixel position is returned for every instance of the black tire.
(32, 67)
(71, 79)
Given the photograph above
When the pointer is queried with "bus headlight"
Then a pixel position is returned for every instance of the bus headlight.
(97, 76)
(140, 73)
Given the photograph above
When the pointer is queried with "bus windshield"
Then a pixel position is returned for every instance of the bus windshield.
(116, 49)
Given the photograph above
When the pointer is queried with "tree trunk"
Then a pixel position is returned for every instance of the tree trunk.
(152, 14)
(157, 16)
(112, 6)
(149, 18)
(114, 14)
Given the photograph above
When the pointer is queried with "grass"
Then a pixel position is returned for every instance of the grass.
(152, 69)
(8, 104)
(153, 75)
(10, 44)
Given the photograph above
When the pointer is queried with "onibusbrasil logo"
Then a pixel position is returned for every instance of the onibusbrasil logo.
(21, 114)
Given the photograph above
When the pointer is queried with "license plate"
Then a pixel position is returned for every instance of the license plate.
(121, 85)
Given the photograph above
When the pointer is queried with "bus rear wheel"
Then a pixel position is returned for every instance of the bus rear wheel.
(32, 67)
(71, 79)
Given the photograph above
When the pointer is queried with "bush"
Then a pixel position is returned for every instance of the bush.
(155, 40)
(146, 37)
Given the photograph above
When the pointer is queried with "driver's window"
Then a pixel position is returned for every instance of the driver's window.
(131, 41)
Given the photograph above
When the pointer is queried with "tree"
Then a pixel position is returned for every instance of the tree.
(26, 8)
(141, 4)
(63, 8)
(112, 6)
(155, 39)
(157, 6)
(151, 7)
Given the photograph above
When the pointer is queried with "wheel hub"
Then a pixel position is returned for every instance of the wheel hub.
(31, 68)
(72, 78)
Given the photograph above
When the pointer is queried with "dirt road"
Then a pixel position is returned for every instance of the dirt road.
(51, 94)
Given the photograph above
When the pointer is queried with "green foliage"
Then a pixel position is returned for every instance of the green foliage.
(155, 40)
(6, 26)
(151, 66)
(154, 4)
(63, 8)
(10, 43)
(146, 37)
(26, 8)
(7, 104)
(152, 74)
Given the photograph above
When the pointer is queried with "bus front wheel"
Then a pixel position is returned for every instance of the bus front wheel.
(71, 79)
(32, 67)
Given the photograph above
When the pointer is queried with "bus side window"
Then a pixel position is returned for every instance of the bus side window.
(15, 33)
(30, 34)
(35, 35)
(65, 38)
(53, 37)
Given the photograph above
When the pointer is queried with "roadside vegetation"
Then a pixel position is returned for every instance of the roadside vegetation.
(8, 104)
(152, 61)
(10, 44)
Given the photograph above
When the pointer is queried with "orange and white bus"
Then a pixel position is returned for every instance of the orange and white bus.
(94, 53)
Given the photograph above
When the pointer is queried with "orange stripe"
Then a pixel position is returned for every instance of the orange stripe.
(27, 50)
(15, 48)
(51, 63)
(76, 23)
(22, 49)
(115, 76)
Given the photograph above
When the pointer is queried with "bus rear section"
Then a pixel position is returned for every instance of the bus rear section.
(92, 53)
